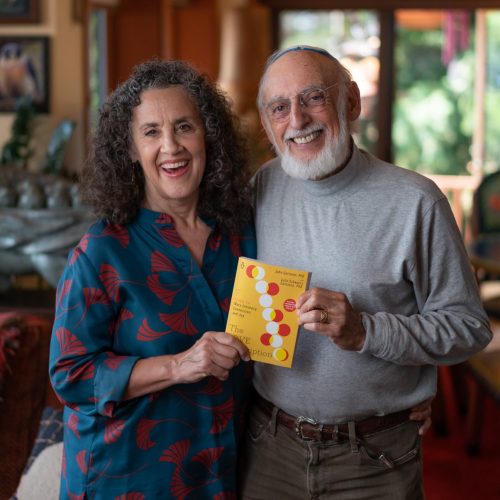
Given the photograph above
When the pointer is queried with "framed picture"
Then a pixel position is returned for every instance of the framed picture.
(19, 11)
(24, 71)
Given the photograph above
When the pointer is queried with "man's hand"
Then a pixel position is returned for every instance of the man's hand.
(422, 413)
(331, 314)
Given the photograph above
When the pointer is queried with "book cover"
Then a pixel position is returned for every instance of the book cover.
(262, 313)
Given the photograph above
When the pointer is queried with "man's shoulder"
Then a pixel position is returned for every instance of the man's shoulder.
(402, 179)
(269, 176)
(269, 169)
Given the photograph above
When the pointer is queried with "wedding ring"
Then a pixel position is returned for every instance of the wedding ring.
(324, 316)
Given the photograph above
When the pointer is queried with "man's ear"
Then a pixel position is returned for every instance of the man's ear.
(264, 120)
(353, 102)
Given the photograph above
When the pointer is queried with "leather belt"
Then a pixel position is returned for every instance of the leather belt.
(309, 429)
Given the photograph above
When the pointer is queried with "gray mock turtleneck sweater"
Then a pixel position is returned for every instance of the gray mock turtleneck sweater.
(386, 237)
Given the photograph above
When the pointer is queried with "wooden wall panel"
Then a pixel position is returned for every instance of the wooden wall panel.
(134, 36)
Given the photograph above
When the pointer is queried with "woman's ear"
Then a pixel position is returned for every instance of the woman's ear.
(353, 102)
(133, 154)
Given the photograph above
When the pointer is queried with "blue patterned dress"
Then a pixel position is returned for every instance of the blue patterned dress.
(130, 292)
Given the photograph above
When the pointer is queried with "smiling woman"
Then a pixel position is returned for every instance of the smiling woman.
(168, 140)
(154, 389)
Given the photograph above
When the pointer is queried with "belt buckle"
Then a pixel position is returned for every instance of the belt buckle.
(299, 421)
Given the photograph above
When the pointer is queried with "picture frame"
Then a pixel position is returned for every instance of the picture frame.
(19, 11)
(24, 71)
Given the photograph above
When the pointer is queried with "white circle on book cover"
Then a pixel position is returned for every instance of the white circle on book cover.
(268, 314)
(272, 327)
(265, 300)
(259, 273)
(261, 286)
(276, 341)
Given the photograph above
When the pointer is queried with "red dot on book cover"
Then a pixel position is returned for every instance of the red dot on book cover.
(265, 338)
(278, 315)
(283, 330)
(289, 305)
(249, 271)
(273, 288)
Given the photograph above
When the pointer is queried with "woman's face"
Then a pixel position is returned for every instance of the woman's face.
(168, 140)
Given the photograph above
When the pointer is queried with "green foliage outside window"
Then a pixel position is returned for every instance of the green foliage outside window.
(433, 110)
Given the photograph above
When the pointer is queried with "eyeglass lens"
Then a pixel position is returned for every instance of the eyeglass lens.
(312, 100)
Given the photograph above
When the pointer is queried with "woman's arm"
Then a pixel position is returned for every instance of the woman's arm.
(214, 354)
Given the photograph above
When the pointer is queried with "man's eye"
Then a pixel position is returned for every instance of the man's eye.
(314, 97)
(279, 108)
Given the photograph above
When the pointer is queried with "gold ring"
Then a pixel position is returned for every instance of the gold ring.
(324, 316)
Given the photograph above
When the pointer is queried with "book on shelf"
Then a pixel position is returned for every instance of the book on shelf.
(262, 313)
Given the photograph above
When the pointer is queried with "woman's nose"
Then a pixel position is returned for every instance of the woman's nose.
(170, 144)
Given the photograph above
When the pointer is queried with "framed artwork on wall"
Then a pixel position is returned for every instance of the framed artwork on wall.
(19, 11)
(24, 71)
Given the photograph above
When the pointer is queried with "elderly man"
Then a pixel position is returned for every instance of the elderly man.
(392, 297)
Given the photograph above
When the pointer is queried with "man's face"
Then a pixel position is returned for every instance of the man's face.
(303, 115)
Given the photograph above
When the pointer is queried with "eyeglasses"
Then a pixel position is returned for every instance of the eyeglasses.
(312, 100)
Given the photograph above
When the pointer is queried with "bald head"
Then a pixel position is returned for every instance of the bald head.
(329, 65)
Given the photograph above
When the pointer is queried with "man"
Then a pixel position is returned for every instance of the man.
(392, 296)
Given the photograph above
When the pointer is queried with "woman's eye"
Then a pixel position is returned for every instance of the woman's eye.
(184, 127)
(150, 133)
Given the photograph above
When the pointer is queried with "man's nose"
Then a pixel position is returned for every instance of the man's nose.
(298, 114)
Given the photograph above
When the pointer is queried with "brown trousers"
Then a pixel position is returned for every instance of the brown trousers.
(278, 465)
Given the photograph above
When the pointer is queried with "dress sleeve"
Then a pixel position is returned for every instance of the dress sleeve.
(451, 324)
(85, 372)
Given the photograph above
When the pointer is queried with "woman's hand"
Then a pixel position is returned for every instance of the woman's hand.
(422, 414)
(214, 354)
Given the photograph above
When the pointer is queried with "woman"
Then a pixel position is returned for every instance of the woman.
(153, 388)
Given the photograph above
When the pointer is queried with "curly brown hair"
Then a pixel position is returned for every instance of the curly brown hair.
(113, 185)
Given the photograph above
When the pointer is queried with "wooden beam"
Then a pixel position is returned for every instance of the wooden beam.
(380, 4)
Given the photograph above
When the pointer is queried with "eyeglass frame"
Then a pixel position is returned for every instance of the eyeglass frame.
(302, 103)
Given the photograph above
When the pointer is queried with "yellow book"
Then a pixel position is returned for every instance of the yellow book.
(263, 313)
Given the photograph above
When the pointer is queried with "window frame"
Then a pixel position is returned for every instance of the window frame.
(385, 10)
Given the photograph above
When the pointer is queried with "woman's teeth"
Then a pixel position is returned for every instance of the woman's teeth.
(174, 166)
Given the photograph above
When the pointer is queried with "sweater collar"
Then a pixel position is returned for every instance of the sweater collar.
(340, 182)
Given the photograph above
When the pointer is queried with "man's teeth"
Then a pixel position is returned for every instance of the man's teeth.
(307, 138)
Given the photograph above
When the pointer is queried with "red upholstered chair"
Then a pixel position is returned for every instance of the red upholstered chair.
(24, 395)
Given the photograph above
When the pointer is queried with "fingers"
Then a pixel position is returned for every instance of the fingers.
(234, 343)
(330, 314)
(214, 354)
(425, 426)
(422, 414)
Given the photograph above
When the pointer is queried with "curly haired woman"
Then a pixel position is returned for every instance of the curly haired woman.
(153, 388)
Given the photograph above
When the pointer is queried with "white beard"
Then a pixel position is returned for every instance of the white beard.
(331, 157)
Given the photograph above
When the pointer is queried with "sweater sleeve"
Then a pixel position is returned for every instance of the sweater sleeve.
(450, 324)
(85, 372)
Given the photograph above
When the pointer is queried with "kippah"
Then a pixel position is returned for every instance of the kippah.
(296, 48)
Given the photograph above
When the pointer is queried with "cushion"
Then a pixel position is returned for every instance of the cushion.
(43, 478)
(23, 400)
